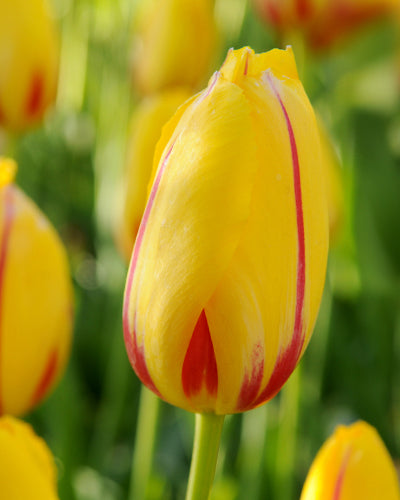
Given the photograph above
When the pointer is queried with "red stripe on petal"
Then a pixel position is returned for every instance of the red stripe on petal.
(47, 378)
(200, 366)
(287, 361)
(251, 384)
(136, 354)
(340, 478)
(304, 9)
(35, 95)
(2, 115)
(9, 214)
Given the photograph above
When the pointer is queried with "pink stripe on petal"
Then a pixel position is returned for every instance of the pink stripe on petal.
(287, 361)
(135, 353)
(251, 384)
(9, 214)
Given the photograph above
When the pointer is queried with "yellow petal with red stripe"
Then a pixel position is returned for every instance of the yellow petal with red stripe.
(353, 464)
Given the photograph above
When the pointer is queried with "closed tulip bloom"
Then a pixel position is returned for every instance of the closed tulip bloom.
(353, 464)
(27, 469)
(149, 118)
(29, 55)
(35, 300)
(174, 44)
(323, 22)
(229, 263)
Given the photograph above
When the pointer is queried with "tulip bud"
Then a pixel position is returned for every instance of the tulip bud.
(353, 464)
(229, 262)
(27, 469)
(28, 62)
(35, 300)
(322, 22)
(174, 45)
(149, 118)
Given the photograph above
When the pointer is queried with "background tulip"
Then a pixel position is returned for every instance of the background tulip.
(27, 469)
(353, 464)
(28, 62)
(229, 262)
(174, 44)
(323, 22)
(149, 118)
(35, 300)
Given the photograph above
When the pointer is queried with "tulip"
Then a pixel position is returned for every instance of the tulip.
(35, 300)
(149, 118)
(229, 263)
(322, 22)
(27, 469)
(353, 464)
(29, 55)
(174, 45)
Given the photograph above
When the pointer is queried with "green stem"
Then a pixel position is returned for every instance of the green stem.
(207, 437)
(146, 430)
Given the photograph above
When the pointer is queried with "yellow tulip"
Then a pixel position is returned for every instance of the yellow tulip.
(149, 118)
(35, 300)
(174, 45)
(323, 22)
(229, 263)
(353, 464)
(29, 55)
(27, 469)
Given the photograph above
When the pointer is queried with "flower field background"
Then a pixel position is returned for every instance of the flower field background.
(72, 164)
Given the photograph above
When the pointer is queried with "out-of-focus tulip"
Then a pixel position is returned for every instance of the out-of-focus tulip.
(229, 263)
(150, 116)
(353, 464)
(174, 44)
(35, 300)
(323, 22)
(27, 469)
(29, 54)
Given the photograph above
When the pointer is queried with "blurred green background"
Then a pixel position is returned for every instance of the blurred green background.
(71, 165)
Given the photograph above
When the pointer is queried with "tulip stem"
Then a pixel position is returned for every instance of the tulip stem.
(146, 430)
(207, 437)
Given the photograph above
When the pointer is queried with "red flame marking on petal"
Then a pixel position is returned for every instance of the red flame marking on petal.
(200, 366)
(286, 363)
(35, 95)
(340, 478)
(304, 9)
(135, 353)
(9, 214)
(2, 115)
(47, 378)
(251, 385)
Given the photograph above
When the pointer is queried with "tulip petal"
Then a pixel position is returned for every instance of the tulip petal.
(191, 228)
(283, 249)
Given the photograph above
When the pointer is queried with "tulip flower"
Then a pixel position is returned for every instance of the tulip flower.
(174, 44)
(29, 55)
(322, 22)
(27, 469)
(35, 300)
(228, 267)
(353, 464)
(149, 118)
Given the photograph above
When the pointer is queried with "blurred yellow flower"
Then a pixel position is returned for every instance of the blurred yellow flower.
(149, 118)
(27, 469)
(229, 263)
(29, 53)
(35, 300)
(322, 22)
(353, 464)
(174, 44)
